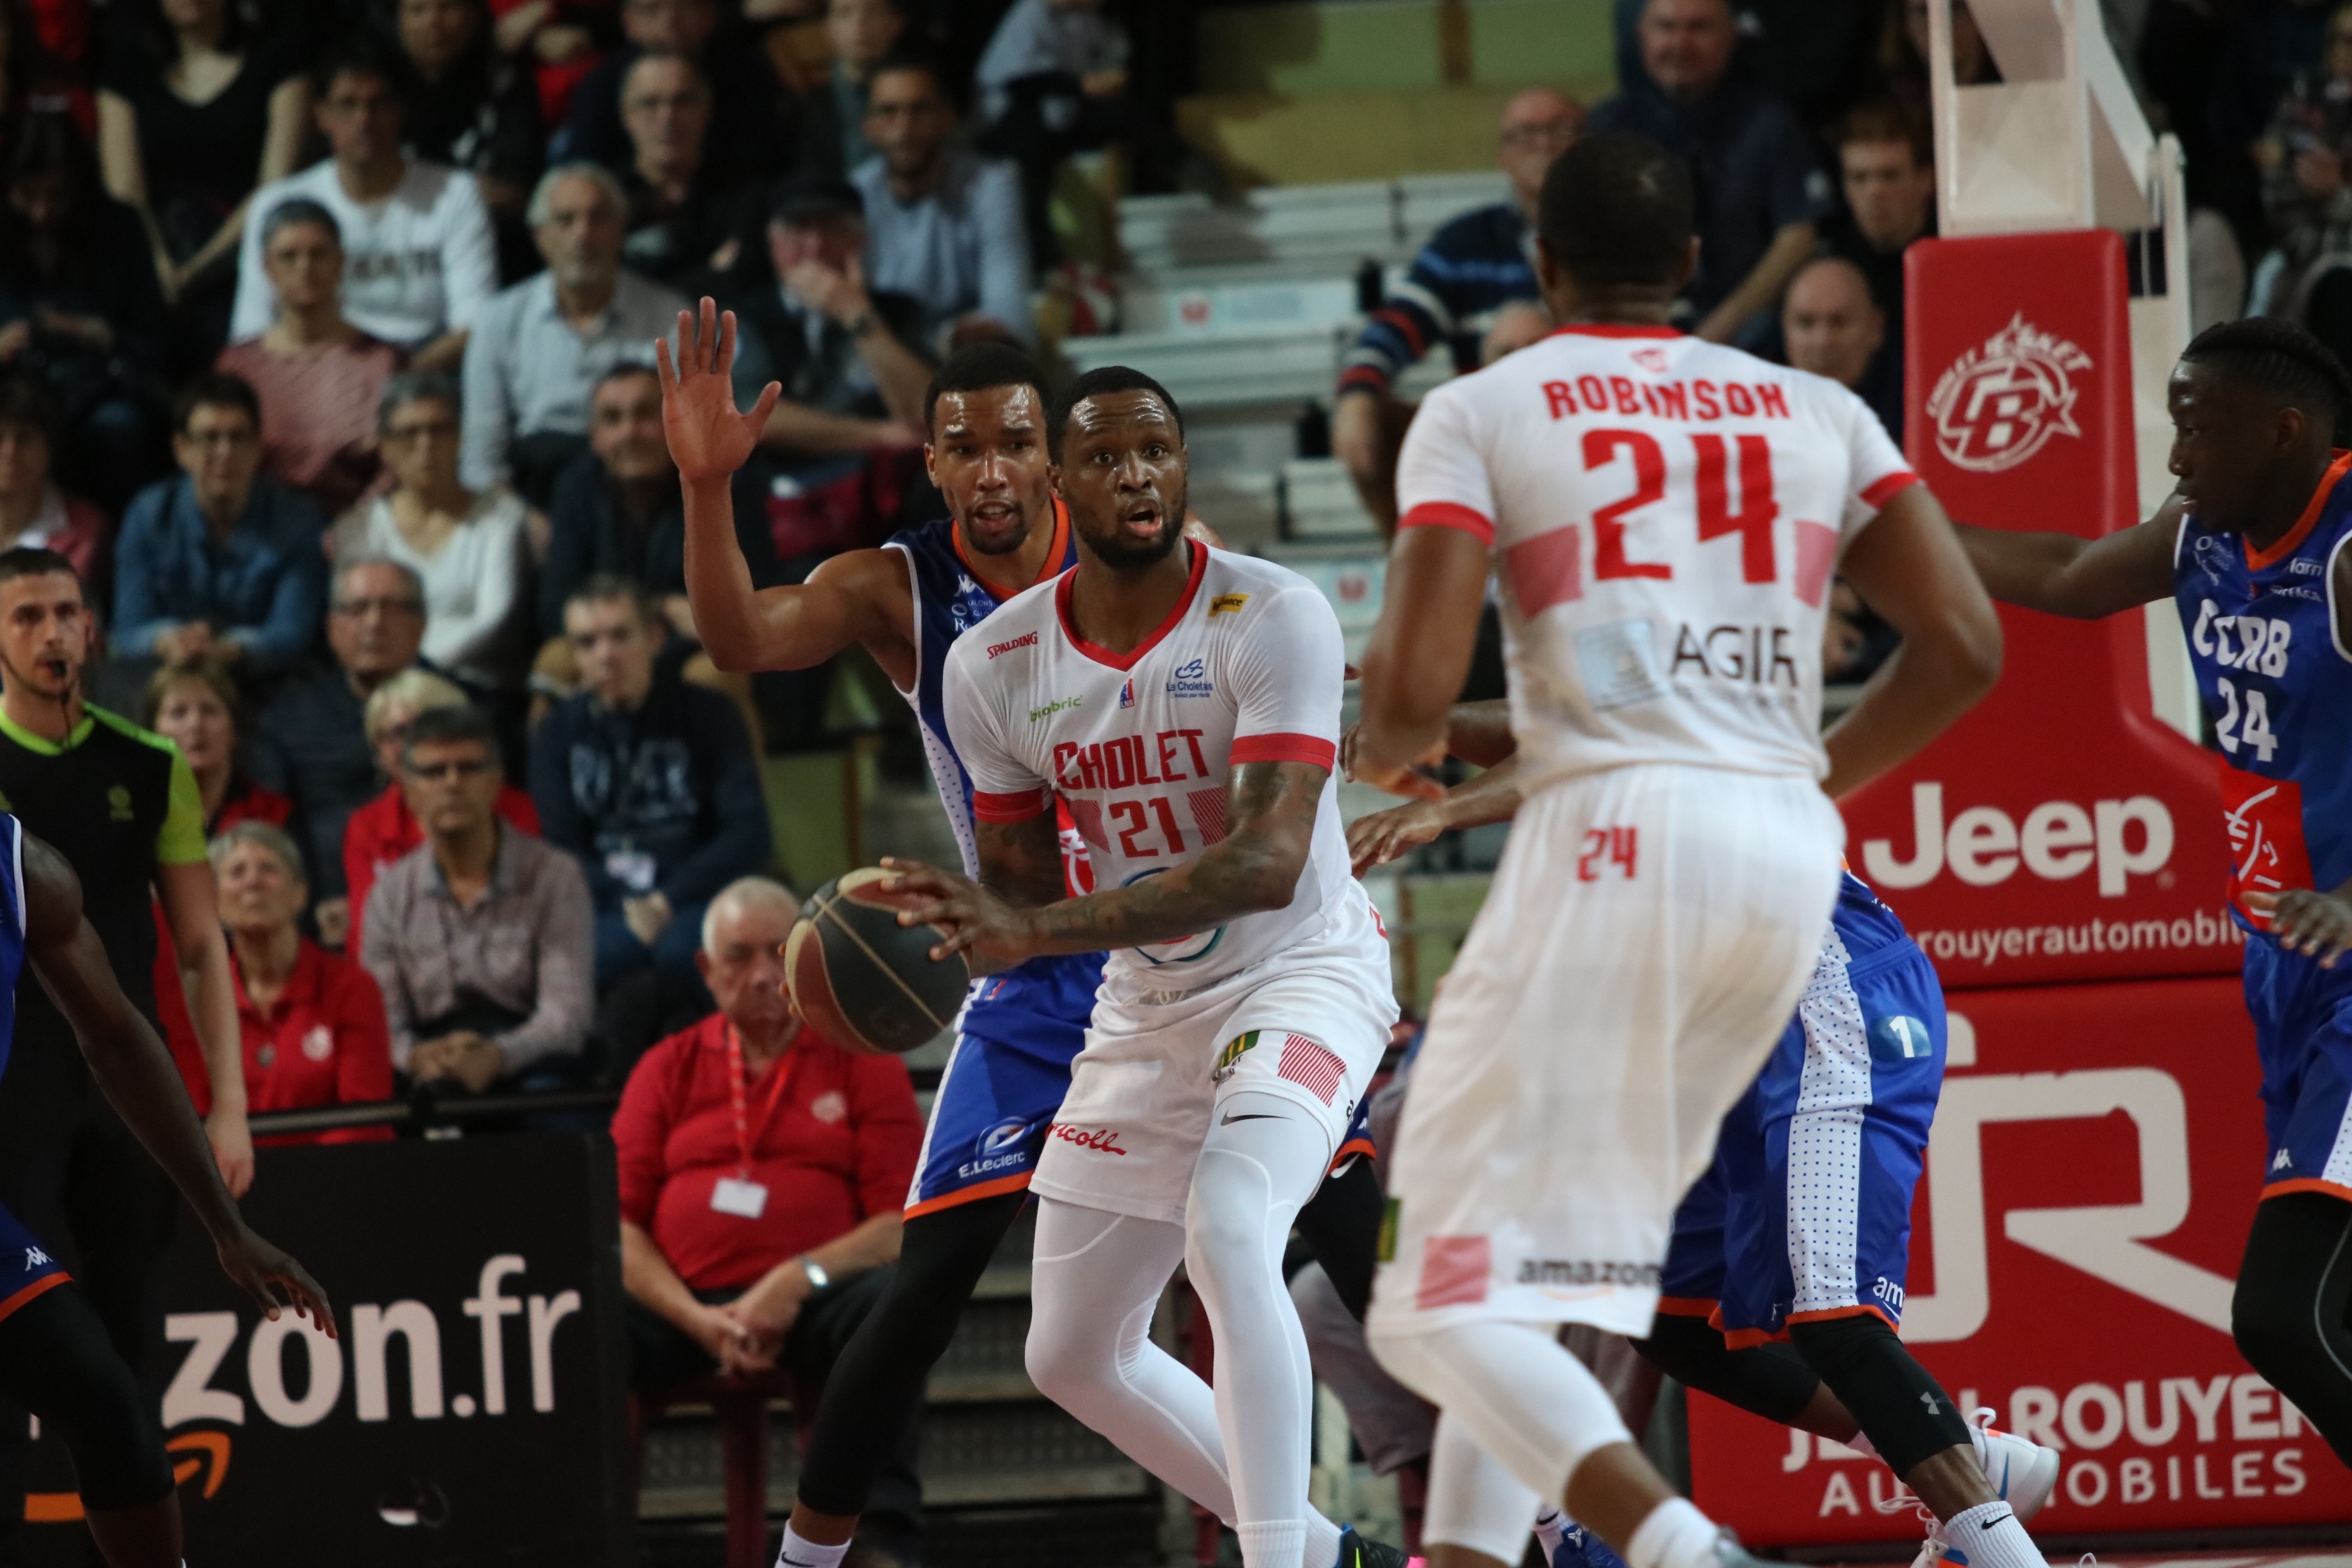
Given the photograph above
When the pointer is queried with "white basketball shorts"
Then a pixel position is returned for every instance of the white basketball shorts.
(1310, 1023)
(1646, 936)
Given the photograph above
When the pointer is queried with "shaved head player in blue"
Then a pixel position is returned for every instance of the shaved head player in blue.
(2251, 548)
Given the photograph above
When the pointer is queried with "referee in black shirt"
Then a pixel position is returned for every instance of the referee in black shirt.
(122, 805)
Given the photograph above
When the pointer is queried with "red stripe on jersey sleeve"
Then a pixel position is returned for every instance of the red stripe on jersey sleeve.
(1888, 489)
(1312, 750)
(1449, 514)
(1019, 807)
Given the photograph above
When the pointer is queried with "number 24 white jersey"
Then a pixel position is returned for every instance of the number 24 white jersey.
(1664, 515)
(1246, 667)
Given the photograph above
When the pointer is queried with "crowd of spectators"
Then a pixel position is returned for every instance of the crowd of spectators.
(326, 330)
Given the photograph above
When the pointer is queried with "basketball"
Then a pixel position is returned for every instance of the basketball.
(862, 980)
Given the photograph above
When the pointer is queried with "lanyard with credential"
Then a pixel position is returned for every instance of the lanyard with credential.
(780, 1071)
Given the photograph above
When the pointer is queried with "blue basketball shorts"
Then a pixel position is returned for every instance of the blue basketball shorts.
(1005, 1078)
(1805, 1212)
(2303, 1036)
(27, 1269)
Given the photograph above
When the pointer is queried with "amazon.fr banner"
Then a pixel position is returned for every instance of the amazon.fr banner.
(2095, 1167)
(473, 1411)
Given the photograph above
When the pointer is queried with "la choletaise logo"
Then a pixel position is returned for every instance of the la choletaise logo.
(1191, 679)
(1999, 404)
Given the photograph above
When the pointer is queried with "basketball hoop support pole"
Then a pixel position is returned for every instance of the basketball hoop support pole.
(2060, 143)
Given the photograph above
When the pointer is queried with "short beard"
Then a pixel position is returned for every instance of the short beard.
(1121, 555)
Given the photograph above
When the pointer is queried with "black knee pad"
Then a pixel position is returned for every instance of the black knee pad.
(1905, 1411)
(116, 1444)
(1765, 1380)
(57, 1361)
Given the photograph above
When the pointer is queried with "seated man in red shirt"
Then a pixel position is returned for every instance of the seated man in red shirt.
(762, 1170)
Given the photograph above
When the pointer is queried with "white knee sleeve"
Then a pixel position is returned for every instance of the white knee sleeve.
(1264, 1157)
(1515, 1392)
(1473, 1502)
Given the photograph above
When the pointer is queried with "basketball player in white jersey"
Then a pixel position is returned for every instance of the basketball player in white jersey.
(1664, 517)
(1184, 703)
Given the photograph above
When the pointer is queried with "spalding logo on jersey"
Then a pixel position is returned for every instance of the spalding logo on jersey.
(1899, 1038)
(1997, 405)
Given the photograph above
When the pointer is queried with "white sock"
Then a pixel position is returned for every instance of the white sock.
(798, 1554)
(1551, 1525)
(1861, 1444)
(1989, 1536)
(1675, 1535)
(1276, 1543)
(1322, 1541)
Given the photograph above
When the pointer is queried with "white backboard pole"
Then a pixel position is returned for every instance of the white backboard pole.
(2060, 142)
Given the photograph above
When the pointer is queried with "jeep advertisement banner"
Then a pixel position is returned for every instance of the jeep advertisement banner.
(2095, 1165)
(2060, 831)
(473, 1410)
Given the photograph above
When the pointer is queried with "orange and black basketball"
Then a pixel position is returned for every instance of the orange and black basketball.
(862, 980)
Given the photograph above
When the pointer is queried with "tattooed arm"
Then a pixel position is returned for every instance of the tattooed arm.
(1020, 862)
(1271, 806)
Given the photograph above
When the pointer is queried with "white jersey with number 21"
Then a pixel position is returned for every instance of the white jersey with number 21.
(1247, 667)
(1664, 515)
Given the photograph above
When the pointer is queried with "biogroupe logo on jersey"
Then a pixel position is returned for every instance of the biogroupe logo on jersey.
(1191, 679)
(1059, 705)
(1999, 404)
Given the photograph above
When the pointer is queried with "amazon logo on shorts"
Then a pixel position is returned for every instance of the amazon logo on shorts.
(1585, 1271)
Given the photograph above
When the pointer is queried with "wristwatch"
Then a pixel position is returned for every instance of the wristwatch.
(817, 1278)
(860, 324)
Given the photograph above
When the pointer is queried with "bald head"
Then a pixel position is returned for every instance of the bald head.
(1538, 125)
(1832, 324)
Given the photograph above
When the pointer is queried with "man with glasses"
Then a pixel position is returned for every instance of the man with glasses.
(481, 937)
(1474, 266)
(311, 742)
(752, 125)
(420, 259)
(221, 559)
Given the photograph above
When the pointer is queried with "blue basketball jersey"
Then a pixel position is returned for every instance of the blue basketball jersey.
(2278, 684)
(949, 600)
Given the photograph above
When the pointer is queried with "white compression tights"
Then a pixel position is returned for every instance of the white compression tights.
(1473, 1502)
(1513, 1391)
(1095, 1278)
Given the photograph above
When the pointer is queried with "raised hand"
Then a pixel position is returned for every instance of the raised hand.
(708, 439)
